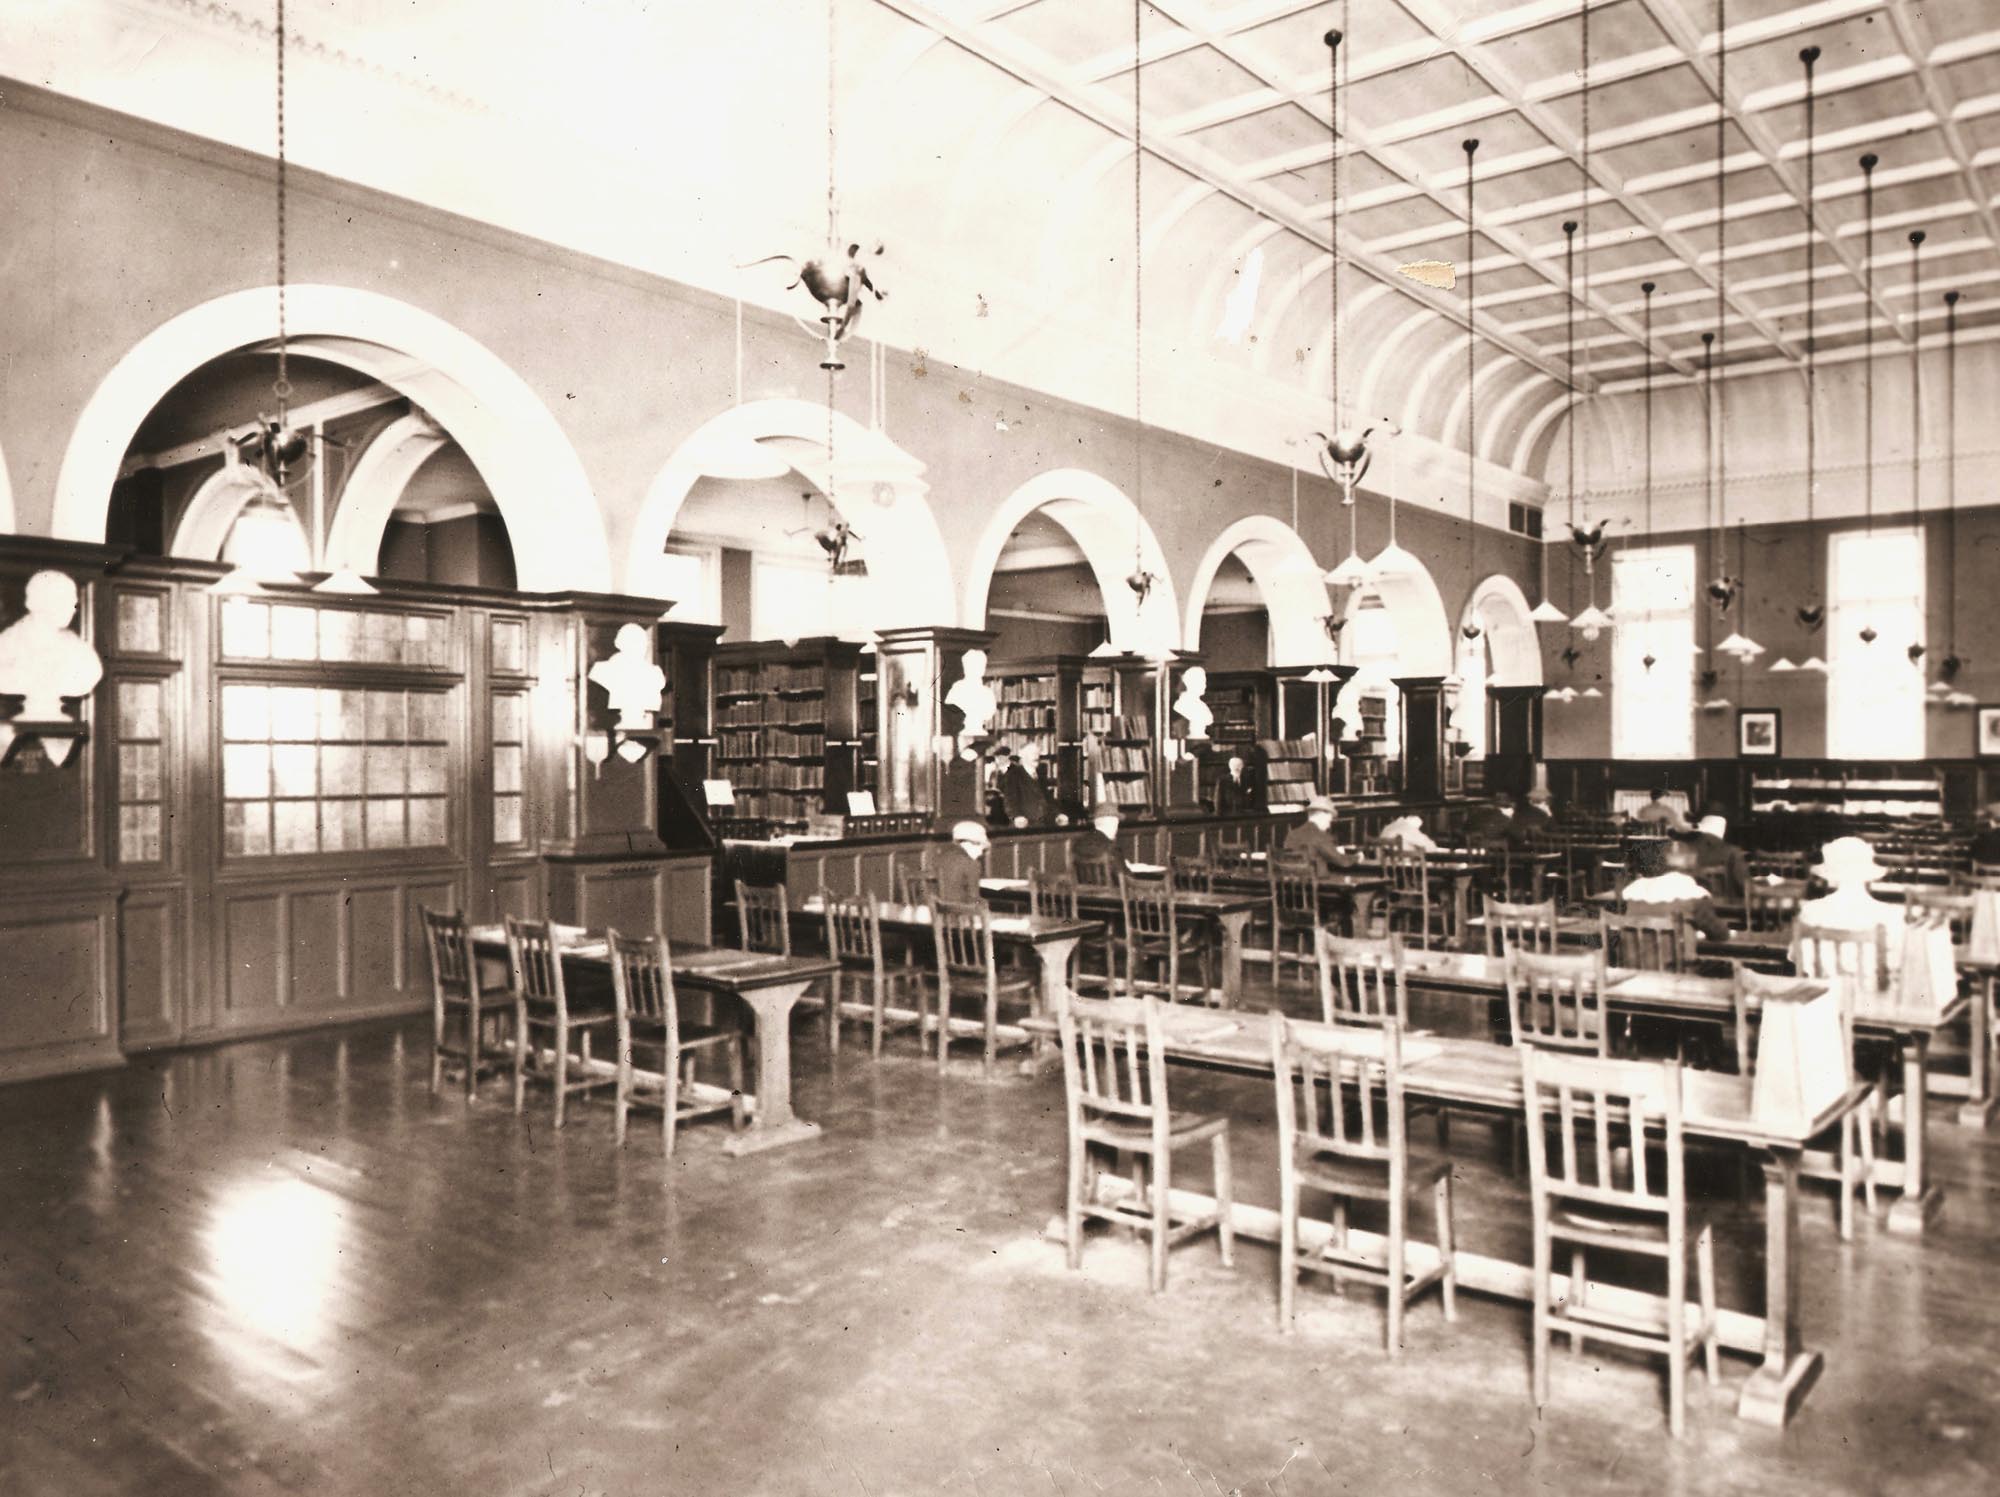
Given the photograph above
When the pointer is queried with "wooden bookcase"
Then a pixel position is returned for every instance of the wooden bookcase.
(1117, 715)
(1041, 701)
(787, 726)
(1243, 703)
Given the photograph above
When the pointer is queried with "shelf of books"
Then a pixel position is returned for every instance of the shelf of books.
(1241, 701)
(1114, 717)
(1040, 702)
(1292, 772)
(786, 719)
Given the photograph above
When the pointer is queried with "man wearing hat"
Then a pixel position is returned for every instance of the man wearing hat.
(1653, 883)
(1533, 814)
(1098, 846)
(1719, 865)
(960, 865)
(1313, 838)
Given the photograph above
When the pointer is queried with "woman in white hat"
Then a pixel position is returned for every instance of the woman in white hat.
(1847, 865)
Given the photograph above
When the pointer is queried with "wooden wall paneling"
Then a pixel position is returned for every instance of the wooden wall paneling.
(255, 951)
(58, 992)
(152, 966)
(321, 949)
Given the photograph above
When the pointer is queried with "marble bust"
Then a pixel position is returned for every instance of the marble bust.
(971, 695)
(630, 679)
(1189, 704)
(41, 659)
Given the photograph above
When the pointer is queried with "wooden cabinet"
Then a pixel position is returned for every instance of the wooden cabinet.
(787, 727)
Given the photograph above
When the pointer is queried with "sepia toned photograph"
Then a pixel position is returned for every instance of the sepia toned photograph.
(999, 748)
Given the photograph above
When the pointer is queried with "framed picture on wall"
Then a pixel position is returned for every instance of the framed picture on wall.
(1757, 735)
(1986, 733)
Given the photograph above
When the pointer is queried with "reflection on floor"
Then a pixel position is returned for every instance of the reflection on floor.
(282, 1266)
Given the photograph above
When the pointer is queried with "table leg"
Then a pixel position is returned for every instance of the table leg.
(1363, 915)
(1461, 908)
(773, 1124)
(1233, 926)
(1774, 1391)
(1977, 1110)
(1921, 1201)
(1051, 996)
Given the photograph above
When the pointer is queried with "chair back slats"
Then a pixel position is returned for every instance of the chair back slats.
(916, 886)
(642, 980)
(1646, 937)
(1926, 906)
(1362, 982)
(1788, 866)
(1095, 873)
(534, 959)
(1196, 874)
(1772, 903)
(1330, 1097)
(1294, 890)
(1149, 907)
(1407, 869)
(1557, 1001)
(1052, 895)
(1114, 1063)
(854, 930)
(964, 936)
(1524, 927)
(762, 921)
(1861, 956)
(1599, 1112)
(450, 946)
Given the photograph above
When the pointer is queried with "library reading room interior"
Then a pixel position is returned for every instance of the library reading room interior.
(999, 746)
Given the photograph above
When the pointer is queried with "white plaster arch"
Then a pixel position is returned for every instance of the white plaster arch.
(1293, 588)
(902, 540)
(1546, 415)
(1103, 521)
(205, 524)
(1502, 412)
(535, 476)
(1205, 306)
(1501, 609)
(1408, 591)
(380, 474)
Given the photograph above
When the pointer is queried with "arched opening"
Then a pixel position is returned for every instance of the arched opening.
(425, 514)
(1395, 626)
(533, 476)
(1261, 574)
(1047, 538)
(744, 527)
(6, 498)
(1503, 652)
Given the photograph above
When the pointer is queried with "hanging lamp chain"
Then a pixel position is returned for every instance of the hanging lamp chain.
(283, 388)
(1471, 146)
(1868, 164)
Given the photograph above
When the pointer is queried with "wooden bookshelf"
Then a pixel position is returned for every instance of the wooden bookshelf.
(1293, 770)
(1243, 705)
(787, 726)
(1116, 715)
(1041, 702)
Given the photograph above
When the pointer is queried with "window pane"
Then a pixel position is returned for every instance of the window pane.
(139, 709)
(340, 825)
(293, 633)
(293, 767)
(1652, 705)
(246, 712)
(246, 770)
(427, 822)
(385, 823)
(293, 713)
(296, 826)
(340, 769)
(1875, 694)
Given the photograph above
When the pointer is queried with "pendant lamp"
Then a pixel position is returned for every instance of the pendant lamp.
(1589, 540)
(1470, 628)
(1343, 456)
(1953, 663)
(1867, 633)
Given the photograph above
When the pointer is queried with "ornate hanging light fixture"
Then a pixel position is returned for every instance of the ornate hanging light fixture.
(1587, 539)
(1867, 632)
(1916, 648)
(1140, 580)
(1646, 289)
(1953, 662)
(1723, 590)
(1712, 699)
(1344, 455)
(1811, 614)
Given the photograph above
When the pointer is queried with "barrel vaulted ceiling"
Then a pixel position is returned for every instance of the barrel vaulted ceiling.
(989, 145)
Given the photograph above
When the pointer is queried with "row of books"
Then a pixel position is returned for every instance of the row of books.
(1112, 726)
(1040, 689)
(1117, 760)
(1127, 792)
(757, 712)
(776, 774)
(1019, 715)
(776, 742)
(1290, 748)
(739, 680)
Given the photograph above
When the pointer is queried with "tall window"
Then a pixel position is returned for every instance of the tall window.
(1470, 715)
(1652, 706)
(690, 575)
(1371, 636)
(1875, 695)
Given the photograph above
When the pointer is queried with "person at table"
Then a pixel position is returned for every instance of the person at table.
(1847, 866)
(1236, 794)
(960, 866)
(1406, 832)
(1661, 813)
(1491, 824)
(1097, 848)
(1655, 883)
(1313, 839)
(1720, 866)
(1533, 814)
(1025, 801)
(1985, 845)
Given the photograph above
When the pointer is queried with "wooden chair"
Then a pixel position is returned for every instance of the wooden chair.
(1362, 981)
(1156, 932)
(649, 1018)
(1772, 904)
(541, 1002)
(456, 989)
(1095, 873)
(1195, 875)
(854, 939)
(1557, 1001)
(915, 886)
(1646, 937)
(763, 922)
(1115, 1095)
(1786, 866)
(1410, 898)
(1852, 1141)
(1054, 896)
(1329, 1140)
(1520, 927)
(1597, 1192)
(1294, 914)
(963, 934)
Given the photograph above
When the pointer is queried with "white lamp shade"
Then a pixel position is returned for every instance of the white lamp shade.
(1546, 612)
(1782, 664)
(1592, 617)
(1813, 663)
(1351, 572)
(1591, 692)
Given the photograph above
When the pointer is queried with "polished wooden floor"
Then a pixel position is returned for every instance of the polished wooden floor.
(283, 1267)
